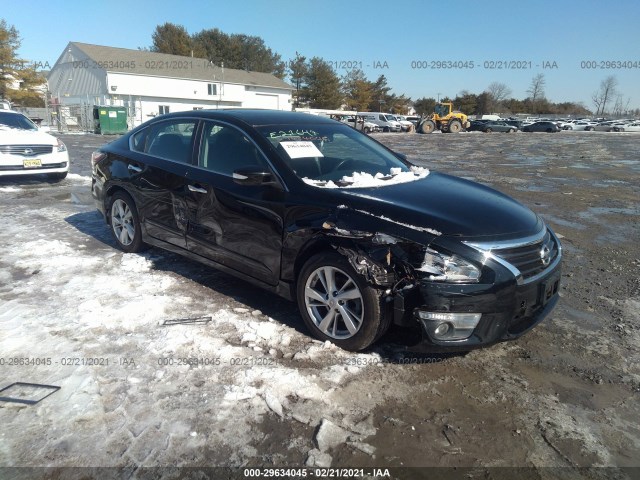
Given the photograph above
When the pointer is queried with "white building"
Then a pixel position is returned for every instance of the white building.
(150, 84)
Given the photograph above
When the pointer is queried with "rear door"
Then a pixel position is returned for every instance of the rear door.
(166, 150)
(238, 226)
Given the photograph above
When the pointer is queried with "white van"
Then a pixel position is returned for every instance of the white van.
(381, 119)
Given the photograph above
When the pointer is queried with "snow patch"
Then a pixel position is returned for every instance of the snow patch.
(79, 178)
(366, 180)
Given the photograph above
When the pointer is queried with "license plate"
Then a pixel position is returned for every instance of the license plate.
(32, 163)
(548, 289)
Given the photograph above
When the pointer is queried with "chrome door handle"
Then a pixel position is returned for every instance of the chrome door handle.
(193, 188)
(133, 168)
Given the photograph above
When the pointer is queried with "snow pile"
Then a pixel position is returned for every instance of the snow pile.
(366, 180)
(167, 392)
(79, 178)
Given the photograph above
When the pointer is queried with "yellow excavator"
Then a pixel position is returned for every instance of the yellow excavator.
(445, 119)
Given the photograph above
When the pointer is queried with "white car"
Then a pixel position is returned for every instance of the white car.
(628, 127)
(26, 150)
(405, 124)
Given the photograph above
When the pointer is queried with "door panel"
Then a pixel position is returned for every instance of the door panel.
(166, 150)
(236, 225)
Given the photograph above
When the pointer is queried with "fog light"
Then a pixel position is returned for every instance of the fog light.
(442, 329)
(448, 325)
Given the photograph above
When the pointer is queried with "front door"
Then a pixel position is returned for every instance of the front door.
(238, 226)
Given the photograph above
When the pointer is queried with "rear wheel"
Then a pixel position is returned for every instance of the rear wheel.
(427, 126)
(125, 223)
(512, 130)
(488, 130)
(337, 304)
(455, 126)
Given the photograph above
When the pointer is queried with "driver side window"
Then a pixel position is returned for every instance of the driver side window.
(225, 149)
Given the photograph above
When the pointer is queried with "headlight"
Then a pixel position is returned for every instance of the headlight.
(448, 268)
(61, 146)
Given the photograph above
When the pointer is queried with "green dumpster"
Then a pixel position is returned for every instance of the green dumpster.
(110, 120)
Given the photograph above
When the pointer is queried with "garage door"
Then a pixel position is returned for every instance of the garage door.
(262, 100)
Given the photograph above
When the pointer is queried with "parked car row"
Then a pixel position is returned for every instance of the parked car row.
(511, 126)
(550, 126)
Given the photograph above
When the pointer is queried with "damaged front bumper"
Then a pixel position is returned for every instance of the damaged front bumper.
(454, 317)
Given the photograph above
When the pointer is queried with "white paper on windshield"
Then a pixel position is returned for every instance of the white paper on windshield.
(301, 149)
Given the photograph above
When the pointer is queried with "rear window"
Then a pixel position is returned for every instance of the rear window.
(171, 140)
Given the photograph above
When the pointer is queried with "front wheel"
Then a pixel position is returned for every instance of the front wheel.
(125, 223)
(427, 126)
(455, 126)
(337, 304)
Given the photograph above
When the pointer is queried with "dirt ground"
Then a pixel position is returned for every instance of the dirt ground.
(248, 387)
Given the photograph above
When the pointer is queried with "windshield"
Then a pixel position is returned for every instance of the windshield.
(16, 120)
(337, 156)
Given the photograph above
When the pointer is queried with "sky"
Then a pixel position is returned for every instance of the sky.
(424, 48)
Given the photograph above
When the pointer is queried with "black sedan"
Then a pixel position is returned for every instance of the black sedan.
(496, 126)
(548, 127)
(317, 212)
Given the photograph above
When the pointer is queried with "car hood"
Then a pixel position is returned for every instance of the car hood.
(443, 205)
(15, 136)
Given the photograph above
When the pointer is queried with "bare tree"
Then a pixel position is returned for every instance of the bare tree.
(536, 90)
(608, 90)
(498, 91)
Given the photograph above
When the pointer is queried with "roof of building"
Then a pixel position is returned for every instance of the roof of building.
(142, 62)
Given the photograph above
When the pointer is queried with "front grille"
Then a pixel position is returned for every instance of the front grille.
(530, 259)
(26, 150)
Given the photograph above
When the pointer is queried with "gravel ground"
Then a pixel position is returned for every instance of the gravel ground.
(247, 386)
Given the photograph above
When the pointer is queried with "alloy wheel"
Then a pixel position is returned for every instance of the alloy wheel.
(334, 302)
(122, 222)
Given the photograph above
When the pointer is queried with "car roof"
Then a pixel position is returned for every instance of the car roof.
(257, 117)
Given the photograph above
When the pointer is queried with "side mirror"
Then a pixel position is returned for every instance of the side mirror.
(253, 176)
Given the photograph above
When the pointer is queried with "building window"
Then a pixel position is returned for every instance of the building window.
(162, 109)
(212, 89)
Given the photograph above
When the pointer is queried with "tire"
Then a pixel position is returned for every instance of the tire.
(511, 131)
(385, 129)
(125, 223)
(488, 130)
(58, 177)
(324, 312)
(428, 126)
(455, 126)
(367, 130)
(589, 129)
